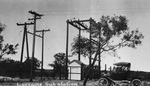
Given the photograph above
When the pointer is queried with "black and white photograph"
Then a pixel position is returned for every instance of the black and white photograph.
(74, 42)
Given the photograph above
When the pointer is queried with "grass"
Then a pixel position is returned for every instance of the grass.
(57, 83)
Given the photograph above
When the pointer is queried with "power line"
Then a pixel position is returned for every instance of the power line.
(101, 10)
(24, 36)
(51, 44)
(95, 12)
(44, 23)
(43, 31)
(15, 38)
(36, 16)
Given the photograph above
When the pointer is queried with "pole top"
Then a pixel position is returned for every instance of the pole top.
(35, 13)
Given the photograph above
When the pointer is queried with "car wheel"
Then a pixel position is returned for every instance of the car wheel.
(103, 82)
(136, 82)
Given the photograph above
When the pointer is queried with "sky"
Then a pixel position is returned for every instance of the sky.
(56, 13)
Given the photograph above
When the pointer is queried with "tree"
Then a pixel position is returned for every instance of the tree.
(111, 33)
(9, 67)
(27, 63)
(26, 66)
(7, 48)
(59, 64)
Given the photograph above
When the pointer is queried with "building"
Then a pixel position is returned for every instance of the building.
(75, 70)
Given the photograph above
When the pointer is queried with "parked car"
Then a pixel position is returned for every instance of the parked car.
(120, 74)
(4, 78)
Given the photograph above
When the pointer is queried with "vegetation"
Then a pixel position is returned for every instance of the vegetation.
(9, 67)
(108, 35)
(59, 65)
(6, 49)
(26, 66)
(12, 68)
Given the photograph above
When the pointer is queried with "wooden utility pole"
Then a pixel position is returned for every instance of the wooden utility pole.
(90, 60)
(80, 25)
(99, 62)
(36, 16)
(24, 36)
(67, 39)
(42, 49)
(79, 52)
(27, 45)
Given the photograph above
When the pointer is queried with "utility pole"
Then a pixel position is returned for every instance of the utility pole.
(79, 52)
(27, 45)
(24, 36)
(42, 49)
(67, 39)
(90, 60)
(80, 25)
(36, 16)
(99, 62)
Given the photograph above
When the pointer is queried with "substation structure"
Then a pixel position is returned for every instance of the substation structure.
(81, 25)
(25, 36)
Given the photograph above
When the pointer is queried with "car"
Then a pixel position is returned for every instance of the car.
(121, 74)
(4, 78)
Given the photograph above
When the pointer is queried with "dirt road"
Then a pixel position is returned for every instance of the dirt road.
(59, 83)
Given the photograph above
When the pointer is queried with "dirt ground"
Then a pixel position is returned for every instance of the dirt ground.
(59, 83)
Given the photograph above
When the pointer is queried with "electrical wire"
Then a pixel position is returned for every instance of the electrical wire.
(101, 10)
(16, 37)
(52, 35)
(49, 43)
(44, 23)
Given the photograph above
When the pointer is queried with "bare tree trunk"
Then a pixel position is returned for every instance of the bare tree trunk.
(90, 68)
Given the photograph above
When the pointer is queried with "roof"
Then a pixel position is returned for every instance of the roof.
(77, 61)
(127, 64)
